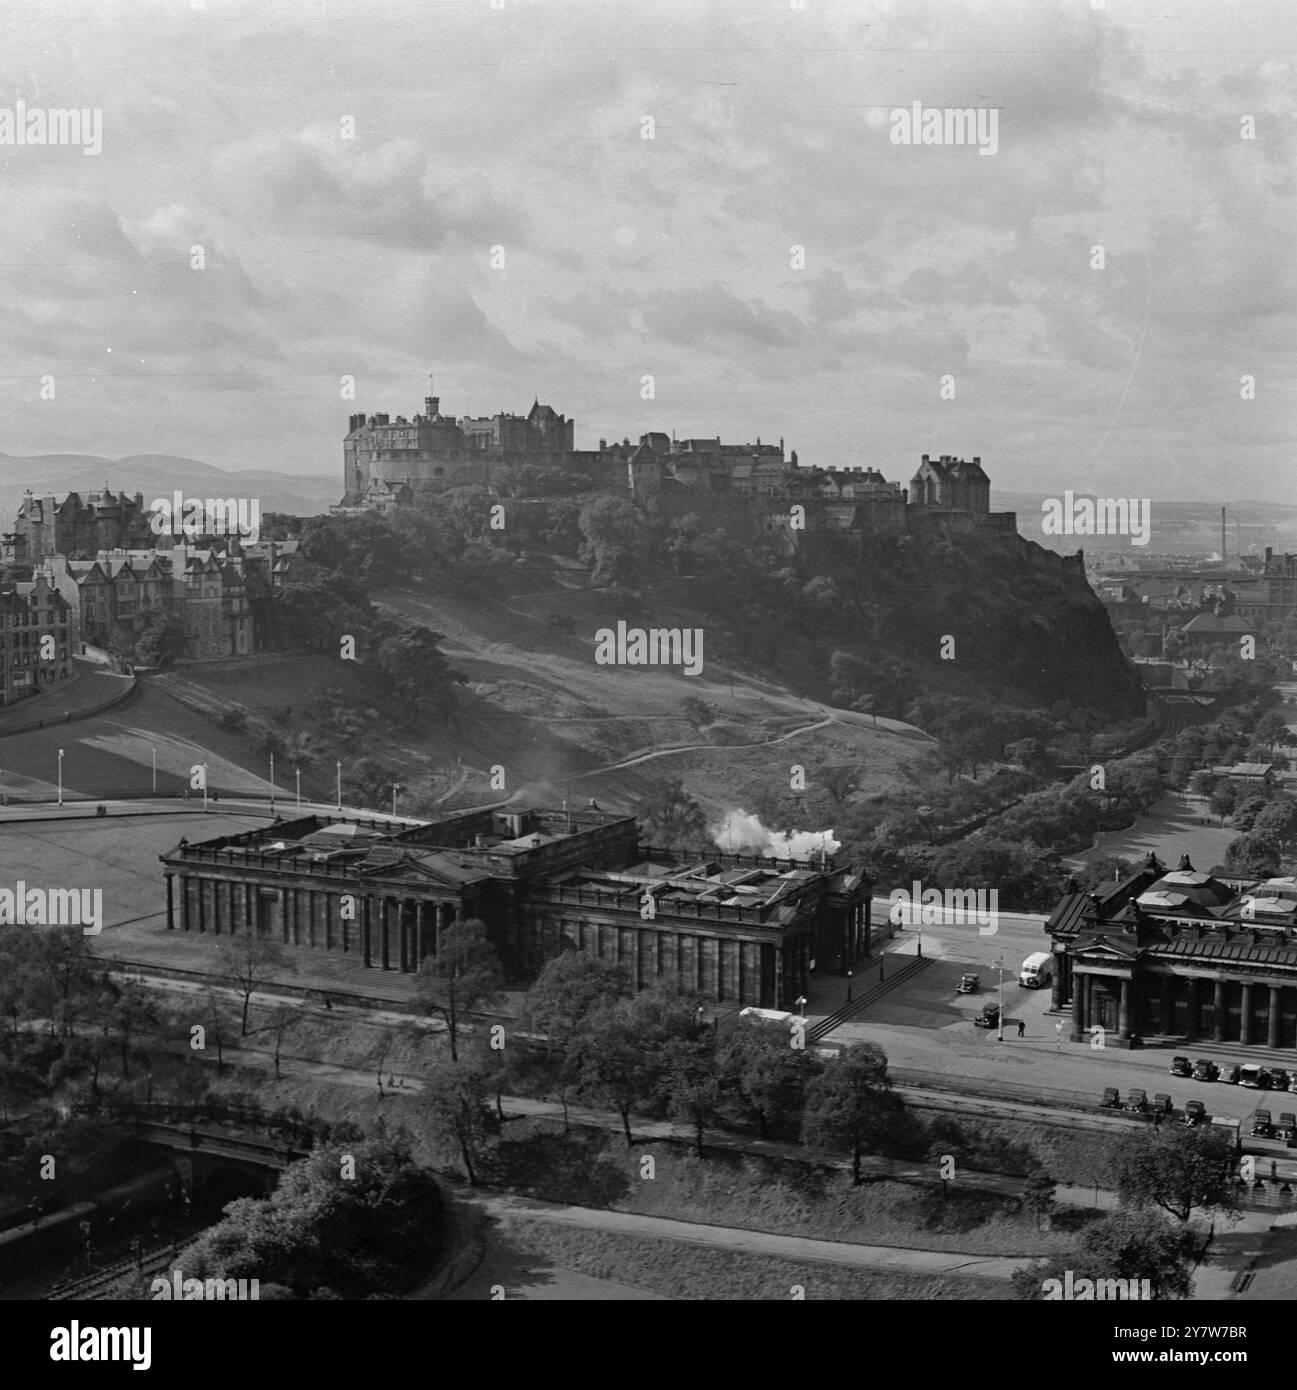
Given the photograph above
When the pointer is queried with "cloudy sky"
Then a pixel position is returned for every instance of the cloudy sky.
(499, 218)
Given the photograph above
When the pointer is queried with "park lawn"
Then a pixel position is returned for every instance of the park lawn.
(682, 1271)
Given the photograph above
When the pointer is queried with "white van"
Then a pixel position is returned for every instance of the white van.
(1037, 970)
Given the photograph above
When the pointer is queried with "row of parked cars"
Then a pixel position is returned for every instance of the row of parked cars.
(1285, 1128)
(1250, 1075)
(1137, 1101)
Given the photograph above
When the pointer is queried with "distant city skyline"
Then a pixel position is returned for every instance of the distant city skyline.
(283, 202)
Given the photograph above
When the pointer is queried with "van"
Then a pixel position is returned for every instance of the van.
(1254, 1077)
(1036, 970)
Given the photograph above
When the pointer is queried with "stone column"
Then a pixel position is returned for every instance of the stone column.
(171, 921)
(1272, 1032)
(1192, 1024)
(1123, 1010)
(1168, 1003)
(383, 928)
(1218, 1033)
(1056, 984)
(403, 940)
(1078, 1007)
(366, 930)
(1245, 1016)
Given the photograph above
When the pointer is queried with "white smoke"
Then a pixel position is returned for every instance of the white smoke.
(741, 833)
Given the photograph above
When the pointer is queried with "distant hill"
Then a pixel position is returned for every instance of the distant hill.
(158, 475)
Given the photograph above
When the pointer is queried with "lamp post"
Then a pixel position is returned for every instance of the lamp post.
(272, 781)
(999, 1036)
(155, 769)
(339, 767)
(800, 1001)
(920, 941)
(204, 786)
(60, 777)
(849, 975)
(297, 772)
(396, 786)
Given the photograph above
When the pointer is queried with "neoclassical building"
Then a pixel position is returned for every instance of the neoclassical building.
(1179, 955)
(737, 928)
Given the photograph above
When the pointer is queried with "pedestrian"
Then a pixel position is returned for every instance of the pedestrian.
(328, 1004)
(1022, 1028)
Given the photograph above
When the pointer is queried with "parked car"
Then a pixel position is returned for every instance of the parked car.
(1229, 1074)
(1292, 1080)
(1279, 1079)
(1111, 1098)
(968, 984)
(989, 1017)
(1195, 1112)
(1180, 1066)
(1136, 1100)
(1162, 1104)
(1203, 1070)
(1254, 1077)
(1261, 1124)
(1286, 1127)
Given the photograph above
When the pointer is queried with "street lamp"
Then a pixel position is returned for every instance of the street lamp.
(999, 1037)
(849, 975)
(204, 786)
(297, 772)
(155, 769)
(800, 1001)
(60, 777)
(339, 767)
(396, 786)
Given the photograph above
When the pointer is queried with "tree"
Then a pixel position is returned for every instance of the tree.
(354, 1218)
(690, 1083)
(454, 1100)
(674, 816)
(620, 1049)
(216, 1020)
(465, 975)
(1271, 730)
(251, 960)
(1176, 1168)
(841, 782)
(281, 1020)
(1038, 1195)
(131, 1010)
(1224, 798)
(849, 1105)
(1129, 1243)
(768, 1075)
(1278, 822)
(571, 986)
(615, 540)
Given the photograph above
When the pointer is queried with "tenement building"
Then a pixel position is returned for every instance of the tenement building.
(739, 929)
(1179, 955)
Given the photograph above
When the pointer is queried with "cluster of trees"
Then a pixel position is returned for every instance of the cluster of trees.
(600, 1042)
(354, 1220)
(1162, 1178)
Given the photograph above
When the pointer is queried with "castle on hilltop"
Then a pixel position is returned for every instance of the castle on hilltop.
(388, 463)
